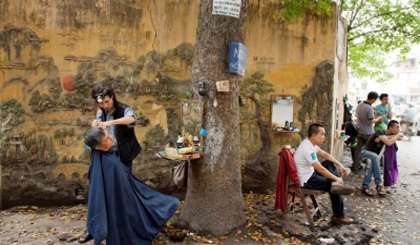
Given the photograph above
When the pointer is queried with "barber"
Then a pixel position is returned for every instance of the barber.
(120, 121)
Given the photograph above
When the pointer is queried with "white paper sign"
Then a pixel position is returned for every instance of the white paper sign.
(230, 8)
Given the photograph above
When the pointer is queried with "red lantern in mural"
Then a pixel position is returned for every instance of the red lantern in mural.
(68, 83)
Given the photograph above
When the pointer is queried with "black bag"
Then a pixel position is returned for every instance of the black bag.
(351, 129)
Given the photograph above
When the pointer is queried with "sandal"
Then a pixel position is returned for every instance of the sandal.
(85, 237)
(367, 191)
(381, 190)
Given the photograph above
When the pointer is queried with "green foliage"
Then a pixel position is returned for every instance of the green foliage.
(42, 143)
(377, 27)
(51, 148)
(295, 9)
(256, 87)
(84, 84)
(14, 108)
(256, 84)
(245, 112)
(143, 119)
(71, 132)
(62, 133)
(18, 121)
(57, 134)
(3, 114)
(187, 95)
(155, 139)
(46, 148)
(369, 63)
(142, 60)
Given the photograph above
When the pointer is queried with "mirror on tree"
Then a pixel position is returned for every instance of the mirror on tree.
(191, 121)
(282, 113)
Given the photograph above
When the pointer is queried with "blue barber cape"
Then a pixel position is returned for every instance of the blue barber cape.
(122, 209)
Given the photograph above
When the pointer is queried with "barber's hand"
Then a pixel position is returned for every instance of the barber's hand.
(95, 123)
(340, 181)
(105, 124)
(380, 118)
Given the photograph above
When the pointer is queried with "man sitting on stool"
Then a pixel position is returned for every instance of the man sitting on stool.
(322, 176)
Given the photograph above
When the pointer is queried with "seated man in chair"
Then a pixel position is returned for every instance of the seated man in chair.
(121, 209)
(322, 176)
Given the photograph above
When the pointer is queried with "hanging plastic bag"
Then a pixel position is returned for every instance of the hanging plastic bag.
(179, 174)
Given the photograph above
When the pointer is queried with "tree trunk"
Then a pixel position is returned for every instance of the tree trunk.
(4, 124)
(214, 201)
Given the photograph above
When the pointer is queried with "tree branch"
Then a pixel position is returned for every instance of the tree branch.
(355, 15)
(352, 10)
(366, 33)
(5, 123)
(374, 17)
(340, 7)
(250, 95)
(407, 34)
(352, 46)
(395, 28)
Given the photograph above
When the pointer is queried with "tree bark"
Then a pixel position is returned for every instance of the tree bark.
(214, 201)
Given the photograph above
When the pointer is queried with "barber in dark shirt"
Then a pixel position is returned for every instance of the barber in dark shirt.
(120, 121)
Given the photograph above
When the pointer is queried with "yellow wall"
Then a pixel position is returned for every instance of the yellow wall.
(114, 38)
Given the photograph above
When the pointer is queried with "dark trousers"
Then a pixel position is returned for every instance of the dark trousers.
(319, 182)
(361, 141)
(128, 165)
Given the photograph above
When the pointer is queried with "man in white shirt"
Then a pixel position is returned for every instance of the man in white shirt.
(322, 176)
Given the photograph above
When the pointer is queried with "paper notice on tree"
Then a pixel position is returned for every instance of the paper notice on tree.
(230, 8)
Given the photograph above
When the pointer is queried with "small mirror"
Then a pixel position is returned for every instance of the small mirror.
(282, 112)
(192, 120)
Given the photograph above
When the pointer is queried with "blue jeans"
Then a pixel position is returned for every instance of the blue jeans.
(371, 167)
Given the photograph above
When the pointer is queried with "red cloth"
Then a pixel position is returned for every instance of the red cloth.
(286, 164)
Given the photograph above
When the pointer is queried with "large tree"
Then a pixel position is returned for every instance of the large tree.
(376, 27)
(214, 201)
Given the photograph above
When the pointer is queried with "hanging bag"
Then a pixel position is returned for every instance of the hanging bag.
(179, 174)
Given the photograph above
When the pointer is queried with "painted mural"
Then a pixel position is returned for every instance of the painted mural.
(53, 53)
(49, 156)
